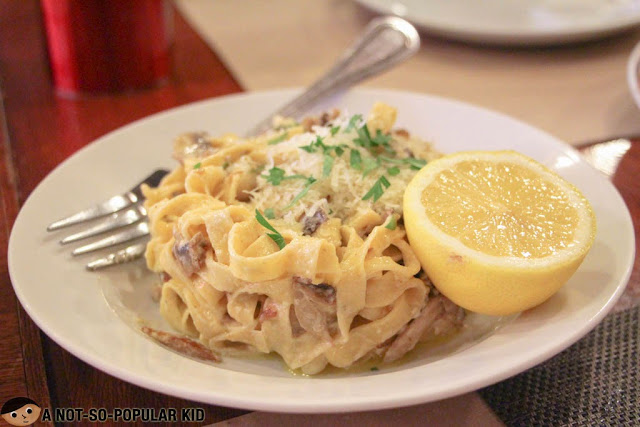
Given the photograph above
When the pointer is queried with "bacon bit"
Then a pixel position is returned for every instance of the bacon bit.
(326, 117)
(388, 341)
(182, 345)
(401, 133)
(322, 120)
(309, 122)
(165, 276)
(269, 311)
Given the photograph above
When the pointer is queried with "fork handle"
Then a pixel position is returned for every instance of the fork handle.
(384, 43)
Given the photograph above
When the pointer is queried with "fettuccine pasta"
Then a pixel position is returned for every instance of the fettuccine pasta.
(292, 242)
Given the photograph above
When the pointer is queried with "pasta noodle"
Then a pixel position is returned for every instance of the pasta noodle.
(292, 242)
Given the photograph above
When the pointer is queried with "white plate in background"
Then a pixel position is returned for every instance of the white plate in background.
(90, 314)
(515, 22)
(633, 74)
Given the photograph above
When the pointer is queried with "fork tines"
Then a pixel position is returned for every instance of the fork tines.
(123, 216)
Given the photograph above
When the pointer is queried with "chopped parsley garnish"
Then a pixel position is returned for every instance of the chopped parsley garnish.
(381, 140)
(413, 162)
(335, 130)
(416, 164)
(391, 160)
(309, 148)
(302, 193)
(278, 139)
(368, 165)
(277, 175)
(378, 189)
(353, 121)
(376, 145)
(327, 165)
(391, 225)
(225, 165)
(197, 165)
(313, 147)
(326, 149)
(355, 159)
(375, 368)
(269, 213)
(363, 139)
(275, 235)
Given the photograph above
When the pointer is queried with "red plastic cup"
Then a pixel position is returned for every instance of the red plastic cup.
(108, 45)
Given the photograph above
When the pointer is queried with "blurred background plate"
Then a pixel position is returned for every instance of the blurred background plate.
(515, 22)
(633, 74)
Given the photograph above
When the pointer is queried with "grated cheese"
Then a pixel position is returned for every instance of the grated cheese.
(340, 193)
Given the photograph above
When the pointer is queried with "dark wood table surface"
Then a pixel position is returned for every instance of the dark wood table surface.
(38, 130)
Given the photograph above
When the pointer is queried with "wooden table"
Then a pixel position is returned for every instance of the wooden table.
(38, 130)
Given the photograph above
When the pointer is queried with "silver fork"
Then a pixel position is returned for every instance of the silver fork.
(123, 211)
(385, 42)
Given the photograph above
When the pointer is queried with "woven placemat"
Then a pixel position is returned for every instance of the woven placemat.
(595, 382)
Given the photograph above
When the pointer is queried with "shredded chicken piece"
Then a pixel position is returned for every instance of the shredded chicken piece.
(451, 318)
(437, 316)
(296, 328)
(314, 307)
(182, 345)
(190, 253)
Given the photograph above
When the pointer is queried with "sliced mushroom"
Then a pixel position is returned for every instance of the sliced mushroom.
(311, 223)
(192, 144)
(191, 253)
(315, 307)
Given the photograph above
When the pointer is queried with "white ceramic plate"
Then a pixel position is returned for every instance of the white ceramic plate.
(515, 22)
(90, 314)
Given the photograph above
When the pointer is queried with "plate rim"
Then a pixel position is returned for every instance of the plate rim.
(305, 407)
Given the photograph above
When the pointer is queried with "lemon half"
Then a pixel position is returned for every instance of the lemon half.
(496, 231)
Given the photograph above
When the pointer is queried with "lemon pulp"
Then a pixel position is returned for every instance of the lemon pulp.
(501, 209)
